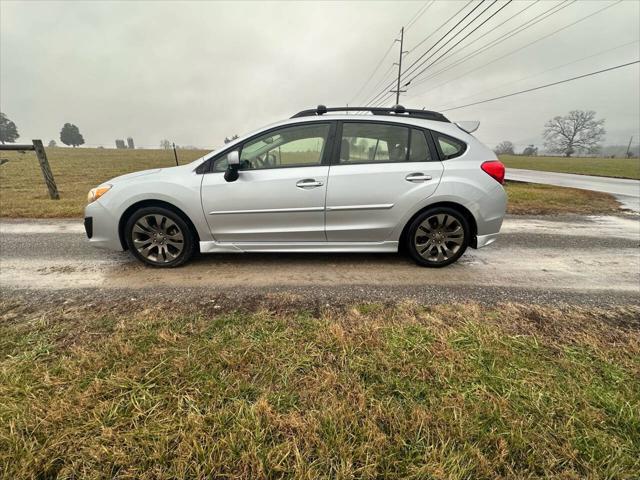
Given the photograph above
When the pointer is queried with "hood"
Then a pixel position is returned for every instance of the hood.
(132, 175)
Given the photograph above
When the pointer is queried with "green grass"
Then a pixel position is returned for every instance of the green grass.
(606, 167)
(24, 194)
(369, 391)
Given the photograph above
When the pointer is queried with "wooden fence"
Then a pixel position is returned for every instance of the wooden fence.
(44, 164)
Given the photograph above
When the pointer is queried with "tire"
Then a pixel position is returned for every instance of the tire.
(159, 237)
(438, 237)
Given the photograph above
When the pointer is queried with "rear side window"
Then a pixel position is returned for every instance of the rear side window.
(373, 142)
(377, 142)
(449, 147)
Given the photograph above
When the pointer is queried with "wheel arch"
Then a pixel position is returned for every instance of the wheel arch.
(154, 203)
(455, 206)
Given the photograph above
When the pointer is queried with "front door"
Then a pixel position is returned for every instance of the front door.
(383, 170)
(280, 192)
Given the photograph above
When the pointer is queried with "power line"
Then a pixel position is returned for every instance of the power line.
(384, 77)
(375, 70)
(511, 33)
(493, 42)
(544, 71)
(418, 14)
(485, 64)
(459, 41)
(421, 11)
(542, 86)
(439, 28)
(438, 41)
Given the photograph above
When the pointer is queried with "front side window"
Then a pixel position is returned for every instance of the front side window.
(300, 145)
(450, 147)
(295, 146)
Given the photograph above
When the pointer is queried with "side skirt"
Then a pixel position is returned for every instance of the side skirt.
(228, 247)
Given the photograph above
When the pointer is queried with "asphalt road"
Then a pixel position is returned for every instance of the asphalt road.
(588, 260)
(627, 191)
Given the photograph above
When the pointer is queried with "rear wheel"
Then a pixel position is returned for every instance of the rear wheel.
(438, 237)
(159, 237)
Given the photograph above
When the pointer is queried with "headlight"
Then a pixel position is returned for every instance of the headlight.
(96, 193)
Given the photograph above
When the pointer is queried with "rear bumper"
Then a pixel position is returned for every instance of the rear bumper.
(484, 240)
(101, 227)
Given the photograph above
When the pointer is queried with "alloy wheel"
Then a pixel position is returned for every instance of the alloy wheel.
(158, 238)
(439, 237)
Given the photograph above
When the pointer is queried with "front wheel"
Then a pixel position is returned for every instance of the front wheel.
(438, 237)
(159, 237)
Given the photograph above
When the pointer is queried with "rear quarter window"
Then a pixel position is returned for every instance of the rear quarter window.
(449, 147)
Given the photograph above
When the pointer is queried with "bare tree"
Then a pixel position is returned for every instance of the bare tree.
(579, 131)
(165, 144)
(505, 148)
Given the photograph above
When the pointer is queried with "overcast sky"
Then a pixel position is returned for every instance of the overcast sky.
(194, 72)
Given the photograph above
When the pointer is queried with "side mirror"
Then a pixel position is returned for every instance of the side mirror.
(233, 165)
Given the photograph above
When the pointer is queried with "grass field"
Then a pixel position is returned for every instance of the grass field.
(606, 167)
(534, 199)
(23, 193)
(135, 390)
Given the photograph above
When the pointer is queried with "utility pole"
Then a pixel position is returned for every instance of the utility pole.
(397, 91)
(629, 147)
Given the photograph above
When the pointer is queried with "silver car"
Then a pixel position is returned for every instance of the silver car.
(324, 180)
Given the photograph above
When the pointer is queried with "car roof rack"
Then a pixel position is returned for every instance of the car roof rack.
(398, 110)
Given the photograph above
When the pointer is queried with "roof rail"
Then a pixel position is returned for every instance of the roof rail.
(395, 110)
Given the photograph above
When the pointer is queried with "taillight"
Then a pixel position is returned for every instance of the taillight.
(494, 169)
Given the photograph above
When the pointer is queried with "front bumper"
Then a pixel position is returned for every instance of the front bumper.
(101, 227)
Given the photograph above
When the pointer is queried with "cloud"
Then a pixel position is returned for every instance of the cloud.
(195, 72)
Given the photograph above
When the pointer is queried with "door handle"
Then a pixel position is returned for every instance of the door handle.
(309, 183)
(417, 177)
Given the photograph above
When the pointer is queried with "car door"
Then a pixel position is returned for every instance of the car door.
(280, 191)
(380, 171)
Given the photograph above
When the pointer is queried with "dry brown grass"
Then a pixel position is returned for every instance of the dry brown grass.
(163, 390)
(23, 193)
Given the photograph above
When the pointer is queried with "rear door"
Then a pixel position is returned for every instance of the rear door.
(280, 191)
(379, 172)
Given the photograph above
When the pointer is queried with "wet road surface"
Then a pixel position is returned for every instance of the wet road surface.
(584, 259)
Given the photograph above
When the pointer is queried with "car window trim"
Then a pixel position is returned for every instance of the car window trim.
(443, 157)
(326, 155)
(335, 157)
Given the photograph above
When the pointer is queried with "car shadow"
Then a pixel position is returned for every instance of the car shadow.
(302, 258)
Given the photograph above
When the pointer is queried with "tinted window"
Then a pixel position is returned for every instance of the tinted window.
(450, 147)
(419, 150)
(373, 142)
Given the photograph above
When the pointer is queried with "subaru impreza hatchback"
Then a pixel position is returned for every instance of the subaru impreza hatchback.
(321, 181)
